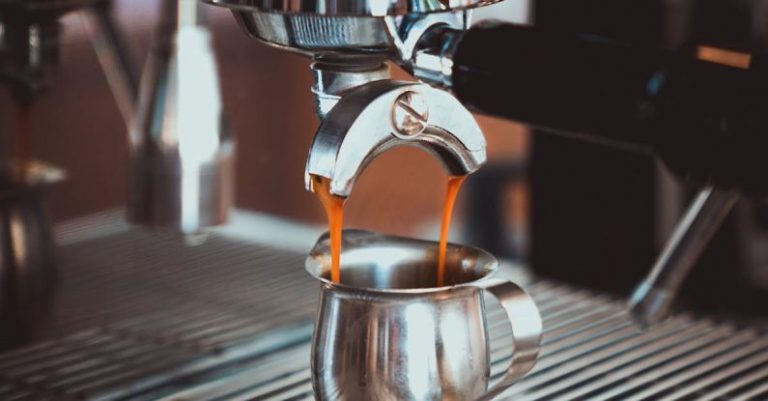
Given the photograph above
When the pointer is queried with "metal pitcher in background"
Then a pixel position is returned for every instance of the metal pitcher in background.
(27, 270)
(386, 333)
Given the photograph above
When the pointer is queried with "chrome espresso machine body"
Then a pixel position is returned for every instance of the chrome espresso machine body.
(143, 315)
(578, 85)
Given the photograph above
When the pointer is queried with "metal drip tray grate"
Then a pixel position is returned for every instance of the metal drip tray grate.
(139, 316)
(591, 352)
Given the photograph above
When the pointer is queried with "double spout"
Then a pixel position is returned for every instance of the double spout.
(368, 119)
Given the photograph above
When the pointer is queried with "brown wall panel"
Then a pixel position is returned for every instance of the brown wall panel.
(76, 125)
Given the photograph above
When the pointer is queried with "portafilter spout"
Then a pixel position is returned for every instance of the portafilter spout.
(181, 148)
(364, 113)
(369, 119)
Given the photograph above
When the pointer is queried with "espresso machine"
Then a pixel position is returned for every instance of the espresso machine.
(601, 89)
(141, 314)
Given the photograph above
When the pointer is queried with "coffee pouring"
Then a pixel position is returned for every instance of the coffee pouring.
(386, 332)
(399, 318)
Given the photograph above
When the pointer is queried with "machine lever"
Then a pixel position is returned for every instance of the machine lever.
(651, 300)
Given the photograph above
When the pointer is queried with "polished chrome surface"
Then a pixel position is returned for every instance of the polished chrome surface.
(590, 351)
(348, 30)
(379, 263)
(319, 36)
(432, 60)
(360, 128)
(140, 317)
(653, 298)
(332, 80)
(181, 149)
(410, 114)
(360, 8)
(387, 332)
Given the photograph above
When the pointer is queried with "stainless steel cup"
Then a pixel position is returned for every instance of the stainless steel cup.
(385, 332)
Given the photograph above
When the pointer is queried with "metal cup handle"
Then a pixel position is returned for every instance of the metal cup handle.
(526, 324)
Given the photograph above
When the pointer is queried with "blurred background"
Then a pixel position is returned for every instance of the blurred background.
(78, 127)
(124, 312)
(578, 212)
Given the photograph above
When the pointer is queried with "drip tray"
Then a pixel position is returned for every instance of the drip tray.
(144, 316)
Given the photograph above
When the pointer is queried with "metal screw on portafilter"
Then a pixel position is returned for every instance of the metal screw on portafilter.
(410, 114)
(182, 153)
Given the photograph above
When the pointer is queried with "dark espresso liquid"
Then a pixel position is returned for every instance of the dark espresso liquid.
(334, 209)
(454, 185)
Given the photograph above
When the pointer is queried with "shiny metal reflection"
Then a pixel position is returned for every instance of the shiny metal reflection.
(181, 148)
(360, 127)
(386, 333)
(359, 8)
(327, 29)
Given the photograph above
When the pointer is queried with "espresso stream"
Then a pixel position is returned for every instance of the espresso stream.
(454, 185)
(334, 209)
